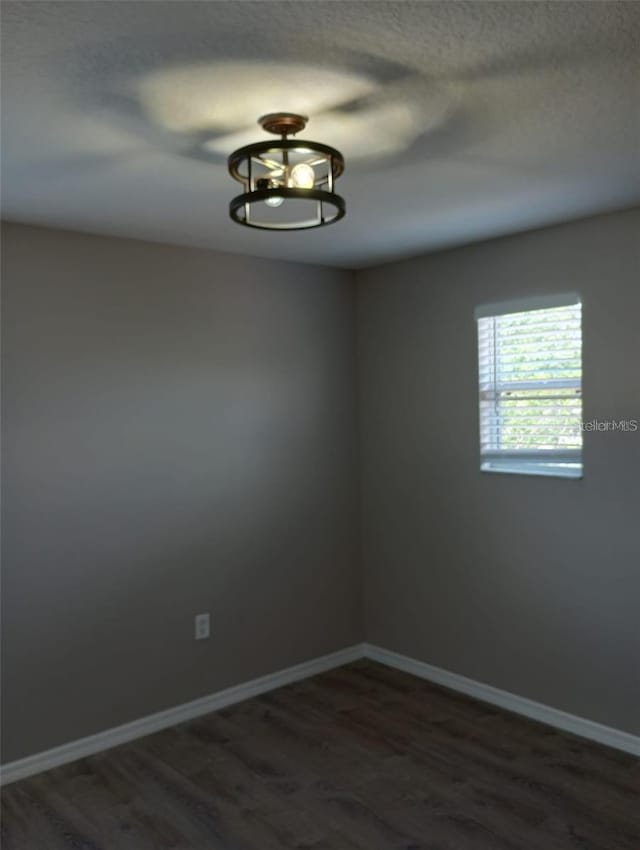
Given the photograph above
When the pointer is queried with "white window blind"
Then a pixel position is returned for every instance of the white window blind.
(530, 383)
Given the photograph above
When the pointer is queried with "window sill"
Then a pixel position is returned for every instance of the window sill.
(550, 470)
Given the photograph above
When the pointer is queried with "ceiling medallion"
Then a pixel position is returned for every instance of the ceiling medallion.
(288, 183)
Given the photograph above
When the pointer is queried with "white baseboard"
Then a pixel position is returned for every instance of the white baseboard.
(520, 705)
(83, 747)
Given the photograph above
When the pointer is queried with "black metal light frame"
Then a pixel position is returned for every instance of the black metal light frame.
(329, 206)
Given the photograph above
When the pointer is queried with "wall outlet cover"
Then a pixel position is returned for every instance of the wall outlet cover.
(202, 626)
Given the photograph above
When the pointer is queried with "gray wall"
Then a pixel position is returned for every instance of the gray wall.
(528, 584)
(179, 437)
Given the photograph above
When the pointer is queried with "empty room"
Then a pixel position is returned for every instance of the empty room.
(320, 425)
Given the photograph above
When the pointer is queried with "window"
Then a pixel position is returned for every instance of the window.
(530, 381)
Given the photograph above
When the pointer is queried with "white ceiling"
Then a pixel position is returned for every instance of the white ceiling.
(459, 121)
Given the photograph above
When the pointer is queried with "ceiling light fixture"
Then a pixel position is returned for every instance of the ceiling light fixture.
(288, 184)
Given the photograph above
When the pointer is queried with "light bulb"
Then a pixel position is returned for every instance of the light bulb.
(270, 183)
(303, 176)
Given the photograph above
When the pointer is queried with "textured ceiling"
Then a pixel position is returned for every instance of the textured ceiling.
(459, 121)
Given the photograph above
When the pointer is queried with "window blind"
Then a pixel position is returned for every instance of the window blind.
(530, 387)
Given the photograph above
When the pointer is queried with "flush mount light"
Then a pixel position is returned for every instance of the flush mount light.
(288, 183)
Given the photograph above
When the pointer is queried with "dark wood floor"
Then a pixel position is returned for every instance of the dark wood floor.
(362, 758)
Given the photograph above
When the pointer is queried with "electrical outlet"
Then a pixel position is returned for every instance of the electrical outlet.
(202, 623)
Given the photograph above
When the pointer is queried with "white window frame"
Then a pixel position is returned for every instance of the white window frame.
(565, 463)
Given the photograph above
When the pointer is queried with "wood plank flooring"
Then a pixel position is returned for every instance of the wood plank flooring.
(361, 758)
